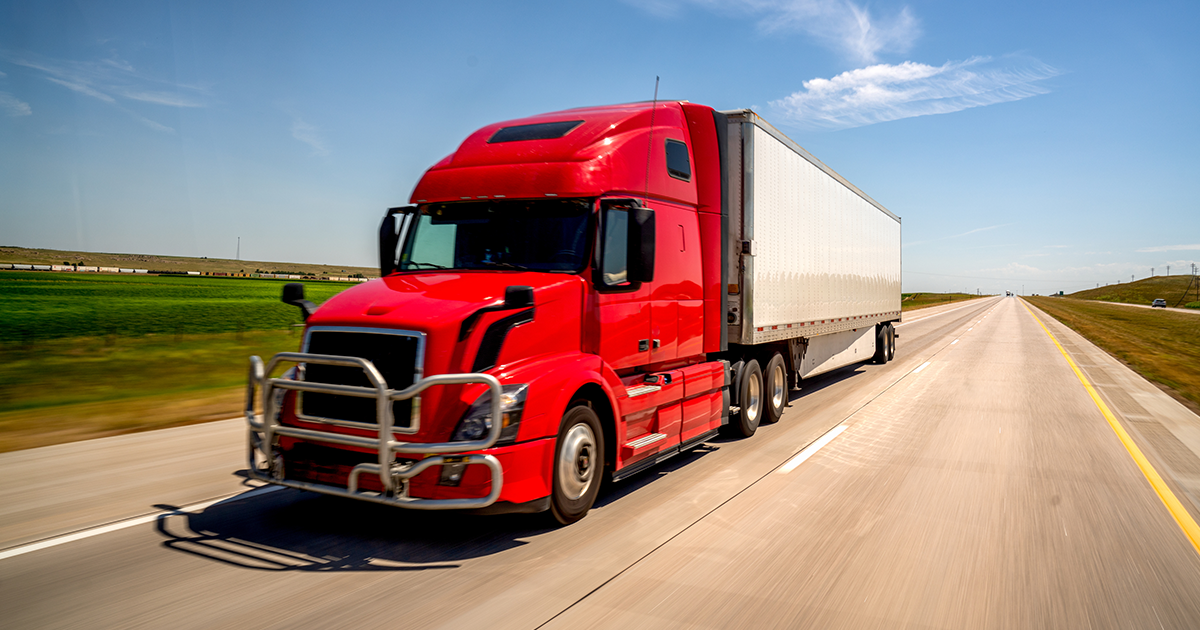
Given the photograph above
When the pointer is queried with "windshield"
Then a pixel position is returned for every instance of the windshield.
(534, 235)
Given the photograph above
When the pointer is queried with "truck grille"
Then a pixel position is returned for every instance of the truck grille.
(395, 355)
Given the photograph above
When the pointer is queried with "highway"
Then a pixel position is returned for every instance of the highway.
(973, 482)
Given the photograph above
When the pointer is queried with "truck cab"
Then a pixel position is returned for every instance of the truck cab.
(546, 309)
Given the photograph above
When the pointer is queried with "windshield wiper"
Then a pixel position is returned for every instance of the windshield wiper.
(427, 265)
(505, 265)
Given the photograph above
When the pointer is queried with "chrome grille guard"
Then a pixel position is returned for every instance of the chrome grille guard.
(264, 427)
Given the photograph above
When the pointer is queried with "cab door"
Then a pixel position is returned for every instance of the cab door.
(623, 309)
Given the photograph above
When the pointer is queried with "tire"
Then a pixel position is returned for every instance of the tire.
(891, 342)
(578, 464)
(881, 343)
(750, 400)
(775, 390)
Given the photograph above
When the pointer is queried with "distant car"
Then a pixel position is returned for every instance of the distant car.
(1158, 304)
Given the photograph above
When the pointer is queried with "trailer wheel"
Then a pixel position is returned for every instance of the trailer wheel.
(578, 464)
(776, 399)
(881, 345)
(750, 399)
(891, 334)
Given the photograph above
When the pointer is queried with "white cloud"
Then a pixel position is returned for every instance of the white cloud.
(12, 106)
(884, 92)
(83, 89)
(1170, 248)
(151, 124)
(839, 24)
(162, 98)
(307, 134)
(109, 78)
(3, 74)
(967, 233)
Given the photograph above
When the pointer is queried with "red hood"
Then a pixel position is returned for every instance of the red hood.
(427, 301)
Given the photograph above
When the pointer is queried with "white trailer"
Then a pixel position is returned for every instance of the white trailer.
(812, 261)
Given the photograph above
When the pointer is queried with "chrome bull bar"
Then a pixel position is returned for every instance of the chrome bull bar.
(393, 476)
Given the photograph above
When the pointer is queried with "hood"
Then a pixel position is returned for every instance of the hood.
(430, 301)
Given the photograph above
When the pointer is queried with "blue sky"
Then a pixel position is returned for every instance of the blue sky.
(1049, 145)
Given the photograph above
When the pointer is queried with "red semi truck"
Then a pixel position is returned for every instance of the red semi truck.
(578, 296)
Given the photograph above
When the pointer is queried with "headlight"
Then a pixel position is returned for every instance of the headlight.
(477, 422)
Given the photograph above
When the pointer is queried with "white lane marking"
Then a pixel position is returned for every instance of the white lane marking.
(921, 319)
(970, 329)
(923, 366)
(125, 524)
(953, 342)
(810, 449)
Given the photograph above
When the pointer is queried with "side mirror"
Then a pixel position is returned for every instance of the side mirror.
(518, 296)
(641, 245)
(389, 237)
(626, 245)
(293, 293)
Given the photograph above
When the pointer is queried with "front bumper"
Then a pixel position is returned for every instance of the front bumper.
(266, 462)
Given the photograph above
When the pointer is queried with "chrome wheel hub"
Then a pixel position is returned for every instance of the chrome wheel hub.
(778, 387)
(575, 461)
(754, 402)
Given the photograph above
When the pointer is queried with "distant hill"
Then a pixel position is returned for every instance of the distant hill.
(31, 256)
(1145, 291)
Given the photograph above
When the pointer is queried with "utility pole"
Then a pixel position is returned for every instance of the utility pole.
(1152, 272)
(239, 251)
(1168, 270)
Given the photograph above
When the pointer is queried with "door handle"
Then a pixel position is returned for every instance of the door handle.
(643, 345)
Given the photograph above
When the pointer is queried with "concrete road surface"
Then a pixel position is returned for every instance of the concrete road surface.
(971, 483)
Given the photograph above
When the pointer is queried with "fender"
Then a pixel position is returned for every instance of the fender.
(553, 381)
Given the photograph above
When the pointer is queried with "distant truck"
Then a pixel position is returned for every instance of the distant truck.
(575, 296)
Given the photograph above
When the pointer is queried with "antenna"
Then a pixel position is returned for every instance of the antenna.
(650, 144)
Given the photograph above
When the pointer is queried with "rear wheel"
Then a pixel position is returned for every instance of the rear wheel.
(775, 381)
(891, 330)
(578, 464)
(750, 399)
(881, 345)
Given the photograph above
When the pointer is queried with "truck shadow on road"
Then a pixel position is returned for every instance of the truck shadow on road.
(290, 530)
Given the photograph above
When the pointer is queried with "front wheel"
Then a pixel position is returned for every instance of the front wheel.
(578, 464)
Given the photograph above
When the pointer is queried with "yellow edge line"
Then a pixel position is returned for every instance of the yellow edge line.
(1182, 517)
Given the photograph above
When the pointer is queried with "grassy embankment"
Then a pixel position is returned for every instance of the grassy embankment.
(31, 256)
(1181, 290)
(1162, 346)
(88, 355)
(914, 301)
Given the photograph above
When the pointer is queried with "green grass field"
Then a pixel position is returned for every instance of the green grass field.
(90, 355)
(37, 306)
(1181, 290)
(1162, 346)
(913, 301)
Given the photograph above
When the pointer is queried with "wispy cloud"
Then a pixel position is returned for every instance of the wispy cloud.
(12, 106)
(83, 89)
(1170, 248)
(2, 75)
(842, 25)
(967, 233)
(171, 99)
(308, 134)
(884, 92)
(114, 81)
